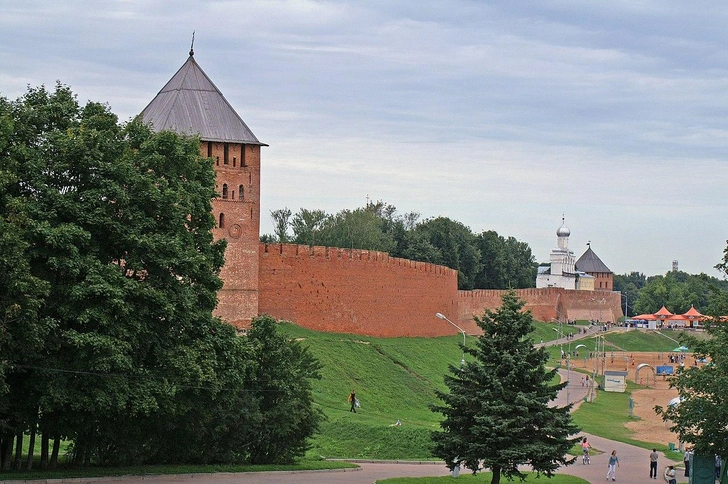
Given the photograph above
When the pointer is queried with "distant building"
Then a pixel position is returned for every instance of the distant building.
(561, 272)
(588, 273)
(590, 265)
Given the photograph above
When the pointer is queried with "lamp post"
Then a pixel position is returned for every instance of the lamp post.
(442, 316)
(625, 305)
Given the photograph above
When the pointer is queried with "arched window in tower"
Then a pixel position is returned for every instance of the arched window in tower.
(221, 224)
(224, 191)
(235, 159)
(240, 192)
(217, 161)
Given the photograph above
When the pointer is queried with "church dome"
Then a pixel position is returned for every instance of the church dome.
(563, 231)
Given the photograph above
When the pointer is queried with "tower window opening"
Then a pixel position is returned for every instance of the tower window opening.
(209, 149)
(221, 224)
(242, 156)
(225, 191)
(234, 160)
(240, 192)
(232, 195)
(217, 161)
(225, 152)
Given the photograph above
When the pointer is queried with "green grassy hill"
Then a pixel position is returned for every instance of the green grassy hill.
(394, 379)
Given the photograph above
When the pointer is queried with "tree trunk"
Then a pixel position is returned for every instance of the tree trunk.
(44, 441)
(18, 451)
(31, 446)
(56, 447)
(6, 449)
(496, 475)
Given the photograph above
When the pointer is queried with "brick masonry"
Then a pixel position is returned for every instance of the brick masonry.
(368, 292)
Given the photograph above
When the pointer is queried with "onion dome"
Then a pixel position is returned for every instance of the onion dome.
(563, 230)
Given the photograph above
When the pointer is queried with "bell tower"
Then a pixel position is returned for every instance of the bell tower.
(191, 104)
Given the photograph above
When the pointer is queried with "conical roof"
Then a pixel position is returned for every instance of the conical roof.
(693, 313)
(191, 104)
(663, 312)
(590, 263)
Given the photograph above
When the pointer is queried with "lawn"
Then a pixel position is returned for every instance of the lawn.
(396, 379)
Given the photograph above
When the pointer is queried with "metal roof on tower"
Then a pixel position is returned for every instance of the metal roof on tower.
(191, 104)
(589, 262)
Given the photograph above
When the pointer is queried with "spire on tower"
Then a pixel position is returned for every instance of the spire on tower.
(192, 45)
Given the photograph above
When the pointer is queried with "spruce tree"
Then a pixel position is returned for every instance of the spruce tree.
(498, 413)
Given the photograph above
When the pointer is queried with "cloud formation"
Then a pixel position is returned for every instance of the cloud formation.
(500, 116)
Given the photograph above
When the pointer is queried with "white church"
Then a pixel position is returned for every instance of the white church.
(568, 273)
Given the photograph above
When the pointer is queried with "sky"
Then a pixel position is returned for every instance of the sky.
(504, 116)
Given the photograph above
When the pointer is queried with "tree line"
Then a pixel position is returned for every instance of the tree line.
(108, 279)
(485, 260)
(676, 290)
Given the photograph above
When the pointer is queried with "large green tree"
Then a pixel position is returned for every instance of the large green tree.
(498, 410)
(108, 278)
(507, 262)
(281, 379)
(456, 245)
(701, 416)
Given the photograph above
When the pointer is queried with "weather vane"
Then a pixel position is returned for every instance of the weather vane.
(192, 45)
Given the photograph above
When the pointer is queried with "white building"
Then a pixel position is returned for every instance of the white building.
(561, 272)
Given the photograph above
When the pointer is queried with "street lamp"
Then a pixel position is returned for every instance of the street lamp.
(442, 316)
(625, 304)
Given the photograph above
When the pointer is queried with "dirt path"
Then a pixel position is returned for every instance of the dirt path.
(649, 427)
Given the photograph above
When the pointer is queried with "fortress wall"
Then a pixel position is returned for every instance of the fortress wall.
(355, 291)
(546, 304)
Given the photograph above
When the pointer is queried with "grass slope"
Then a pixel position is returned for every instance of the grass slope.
(394, 378)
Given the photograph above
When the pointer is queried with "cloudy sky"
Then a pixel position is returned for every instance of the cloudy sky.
(501, 115)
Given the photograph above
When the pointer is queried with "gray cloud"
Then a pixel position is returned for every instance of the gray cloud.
(501, 116)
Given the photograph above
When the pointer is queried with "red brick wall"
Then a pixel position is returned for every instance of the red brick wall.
(355, 291)
(367, 292)
(238, 299)
(546, 304)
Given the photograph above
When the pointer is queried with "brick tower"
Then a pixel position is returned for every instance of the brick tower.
(191, 104)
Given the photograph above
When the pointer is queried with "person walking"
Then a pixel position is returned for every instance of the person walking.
(613, 464)
(653, 464)
(352, 401)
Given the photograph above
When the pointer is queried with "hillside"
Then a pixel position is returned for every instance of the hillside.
(395, 379)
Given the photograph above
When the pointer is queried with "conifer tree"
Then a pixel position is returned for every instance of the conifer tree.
(498, 410)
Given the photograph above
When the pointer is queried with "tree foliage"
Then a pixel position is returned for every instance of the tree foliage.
(484, 261)
(497, 410)
(678, 291)
(701, 416)
(108, 278)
